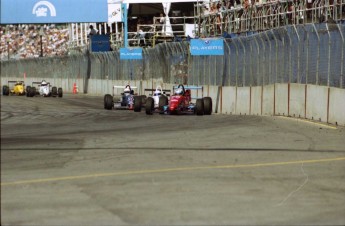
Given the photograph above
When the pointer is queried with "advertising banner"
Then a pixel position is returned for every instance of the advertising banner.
(53, 11)
(100, 43)
(206, 47)
(114, 12)
(131, 53)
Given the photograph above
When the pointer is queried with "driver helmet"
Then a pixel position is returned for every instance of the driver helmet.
(179, 91)
(127, 90)
(157, 93)
(43, 83)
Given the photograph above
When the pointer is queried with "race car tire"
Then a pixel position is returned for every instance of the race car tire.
(28, 91)
(5, 90)
(137, 103)
(54, 91)
(163, 101)
(59, 92)
(207, 105)
(33, 91)
(149, 106)
(108, 102)
(199, 107)
(143, 99)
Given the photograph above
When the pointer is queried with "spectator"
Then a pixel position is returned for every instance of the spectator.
(92, 30)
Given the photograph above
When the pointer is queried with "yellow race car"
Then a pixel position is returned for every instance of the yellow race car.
(17, 89)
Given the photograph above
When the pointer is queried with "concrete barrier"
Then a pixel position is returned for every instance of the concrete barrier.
(310, 101)
(212, 91)
(243, 100)
(337, 106)
(297, 100)
(268, 100)
(317, 100)
(228, 100)
(281, 99)
(256, 100)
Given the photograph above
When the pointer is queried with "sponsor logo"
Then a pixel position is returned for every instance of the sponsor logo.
(41, 9)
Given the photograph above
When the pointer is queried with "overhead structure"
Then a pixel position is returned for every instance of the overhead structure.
(52, 11)
(113, 5)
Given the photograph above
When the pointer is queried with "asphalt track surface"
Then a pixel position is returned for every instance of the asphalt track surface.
(68, 161)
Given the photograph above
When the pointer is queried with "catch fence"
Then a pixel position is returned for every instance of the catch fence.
(305, 54)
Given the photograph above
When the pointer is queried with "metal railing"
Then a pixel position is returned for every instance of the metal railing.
(234, 20)
(304, 54)
(269, 15)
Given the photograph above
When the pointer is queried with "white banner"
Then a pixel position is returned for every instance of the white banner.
(114, 12)
(191, 30)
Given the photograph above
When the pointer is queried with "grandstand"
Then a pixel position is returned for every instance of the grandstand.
(215, 18)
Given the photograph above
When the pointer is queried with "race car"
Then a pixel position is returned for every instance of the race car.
(159, 98)
(127, 100)
(181, 102)
(43, 89)
(17, 89)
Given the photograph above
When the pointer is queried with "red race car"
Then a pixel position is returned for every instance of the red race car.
(181, 102)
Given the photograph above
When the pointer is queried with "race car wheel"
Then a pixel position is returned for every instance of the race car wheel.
(28, 91)
(207, 105)
(137, 103)
(59, 92)
(163, 101)
(54, 91)
(149, 106)
(5, 90)
(33, 91)
(108, 102)
(199, 105)
(143, 99)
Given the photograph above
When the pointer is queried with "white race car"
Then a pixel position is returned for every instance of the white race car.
(157, 101)
(43, 89)
(127, 100)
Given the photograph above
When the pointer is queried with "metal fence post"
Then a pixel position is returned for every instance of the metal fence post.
(263, 64)
(342, 58)
(257, 62)
(244, 68)
(270, 58)
(290, 54)
(276, 56)
(236, 69)
(318, 56)
(329, 55)
(298, 55)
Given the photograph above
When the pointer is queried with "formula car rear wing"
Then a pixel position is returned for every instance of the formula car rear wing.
(159, 88)
(122, 87)
(197, 88)
(39, 84)
(22, 82)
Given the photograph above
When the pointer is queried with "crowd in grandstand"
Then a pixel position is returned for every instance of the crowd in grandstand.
(24, 41)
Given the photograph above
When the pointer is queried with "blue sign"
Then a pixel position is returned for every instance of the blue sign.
(100, 43)
(207, 47)
(131, 53)
(53, 11)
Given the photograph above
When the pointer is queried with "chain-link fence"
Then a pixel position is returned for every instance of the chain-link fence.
(306, 54)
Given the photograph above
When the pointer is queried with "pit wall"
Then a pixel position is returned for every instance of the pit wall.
(319, 103)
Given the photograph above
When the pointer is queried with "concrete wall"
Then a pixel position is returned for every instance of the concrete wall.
(281, 93)
(297, 100)
(314, 102)
(268, 100)
(256, 100)
(243, 101)
(337, 106)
